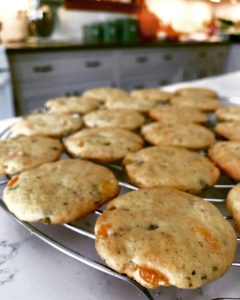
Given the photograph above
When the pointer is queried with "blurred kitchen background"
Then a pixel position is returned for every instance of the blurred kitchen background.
(56, 47)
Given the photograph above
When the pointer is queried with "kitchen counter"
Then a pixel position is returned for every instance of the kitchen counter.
(30, 269)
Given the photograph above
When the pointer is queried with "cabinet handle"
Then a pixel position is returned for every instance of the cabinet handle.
(142, 59)
(202, 54)
(92, 64)
(42, 69)
(167, 57)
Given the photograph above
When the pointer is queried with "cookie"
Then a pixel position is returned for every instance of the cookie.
(132, 103)
(187, 135)
(47, 124)
(103, 144)
(197, 91)
(71, 105)
(228, 113)
(177, 113)
(105, 93)
(154, 94)
(202, 103)
(121, 118)
(229, 130)
(233, 204)
(26, 152)
(172, 167)
(163, 236)
(60, 192)
(226, 155)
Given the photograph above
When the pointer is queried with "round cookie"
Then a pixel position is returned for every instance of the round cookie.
(226, 155)
(47, 124)
(103, 144)
(105, 93)
(132, 103)
(228, 113)
(187, 135)
(202, 103)
(178, 114)
(153, 94)
(170, 238)
(233, 204)
(71, 105)
(172, 167)
(121, 118)
(229, 130)
(197, 91)
(60, 192)
(22, 153)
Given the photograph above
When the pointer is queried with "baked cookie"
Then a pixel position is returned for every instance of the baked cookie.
(202, 103)
(122, 118)
(172, 167)
(197, 91)
(103, 144)
(22, 153)
(105, 93)
(163, 236)
(228, 113)
(226, 155)
(132, 103)
(47, 124)
(187, 135)
(233, 204)
(229, 130)
(153, 94)
(178, 114)
(60, 192)
(71, 105)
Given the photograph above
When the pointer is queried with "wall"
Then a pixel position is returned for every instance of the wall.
(231, 12)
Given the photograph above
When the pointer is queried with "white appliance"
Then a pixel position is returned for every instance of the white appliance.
(6, 97)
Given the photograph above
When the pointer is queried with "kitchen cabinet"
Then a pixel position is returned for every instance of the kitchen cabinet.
(39, 75)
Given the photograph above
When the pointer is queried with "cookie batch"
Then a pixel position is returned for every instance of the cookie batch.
(59, 169)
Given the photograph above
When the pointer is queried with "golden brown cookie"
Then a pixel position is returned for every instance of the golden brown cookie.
(172, 167)
(60, 192)
(178, 114)
(233, 204)
(154, 94)
(229, 130)
(197, 91)
(163, 236)
(187, 135)
(47, 125)
(26, 152)
(122, 118)
(103, 144)
(105, 93)
(73, 104)
(226, 155)
(228, 113)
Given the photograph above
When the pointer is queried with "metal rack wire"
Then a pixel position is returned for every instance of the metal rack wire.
(34, 230)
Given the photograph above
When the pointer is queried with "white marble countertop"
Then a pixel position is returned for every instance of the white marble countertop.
(30, 269)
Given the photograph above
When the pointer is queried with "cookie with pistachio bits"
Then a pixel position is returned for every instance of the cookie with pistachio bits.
(178, 114)
(233, 204)
(172, 167)
(228, 113)
(187, 135)
(22, 153)
(105, 93)
(103, 144)
(226, 155)
(197, 92)
(71, 105)
(230, 130)
(53, 125)
(204, 104)
(165, 237)
(60, 192)
(121, 118)
(154, 94)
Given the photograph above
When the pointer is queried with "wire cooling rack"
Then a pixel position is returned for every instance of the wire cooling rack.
(215, 195)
